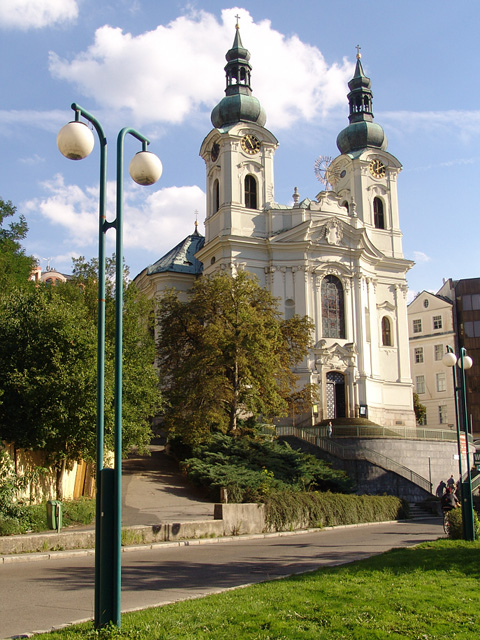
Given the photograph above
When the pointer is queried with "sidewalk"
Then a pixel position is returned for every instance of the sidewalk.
(154, 492)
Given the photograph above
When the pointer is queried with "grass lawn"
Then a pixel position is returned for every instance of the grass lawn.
(429, 592)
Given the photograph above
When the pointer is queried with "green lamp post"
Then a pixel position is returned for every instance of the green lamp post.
(464, 362)
(76, 141)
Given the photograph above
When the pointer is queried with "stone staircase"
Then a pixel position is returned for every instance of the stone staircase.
(419, 512)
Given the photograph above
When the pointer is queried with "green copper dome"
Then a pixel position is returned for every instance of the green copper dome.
(362, 132)
(238, 105)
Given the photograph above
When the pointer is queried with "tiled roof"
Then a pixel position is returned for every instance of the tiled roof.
(181, 259)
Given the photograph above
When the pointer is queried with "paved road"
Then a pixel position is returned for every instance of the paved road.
(40, 595)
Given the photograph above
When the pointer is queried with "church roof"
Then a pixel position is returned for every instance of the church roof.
(181, 259)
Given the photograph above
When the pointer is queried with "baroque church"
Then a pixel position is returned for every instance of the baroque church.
(337, 259)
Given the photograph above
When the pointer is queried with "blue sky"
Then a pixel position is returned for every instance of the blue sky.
(158, 66)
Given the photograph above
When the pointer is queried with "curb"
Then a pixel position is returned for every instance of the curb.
(75, 553)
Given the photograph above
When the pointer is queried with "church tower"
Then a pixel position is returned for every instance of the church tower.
(238, 154)
(337, 258)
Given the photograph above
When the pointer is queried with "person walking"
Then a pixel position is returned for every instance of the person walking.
(329, 430)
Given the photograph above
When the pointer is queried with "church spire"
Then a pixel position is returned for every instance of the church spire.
(360, 96)
(362, 132)
(239, 104)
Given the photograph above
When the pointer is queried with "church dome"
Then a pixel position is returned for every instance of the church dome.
(238, 105)
(362, 132)
(238, 108)
(360, 135)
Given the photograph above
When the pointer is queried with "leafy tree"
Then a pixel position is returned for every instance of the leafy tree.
(48, 376)
(48, 353)
(419, 408)
(224, 353)
(15, 265)
(141, 394)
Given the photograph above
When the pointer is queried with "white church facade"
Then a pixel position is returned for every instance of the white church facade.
(337, 259)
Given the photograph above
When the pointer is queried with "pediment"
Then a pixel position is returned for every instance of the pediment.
(330, 233)
(386, 306)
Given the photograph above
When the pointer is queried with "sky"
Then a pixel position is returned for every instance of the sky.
(158, 66)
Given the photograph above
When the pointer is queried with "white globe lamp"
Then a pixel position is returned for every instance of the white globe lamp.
(145, 168)
(75, 141)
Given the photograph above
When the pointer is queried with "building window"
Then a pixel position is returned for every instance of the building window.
(378, 215)
(441, 381)
(420, 384)
(472, 329)
(437, 322)
(333, 317)
(417, 326)
(386, 332)
(425, 303)
(471, 302)
(438, 352)
(442, 413)
(418, 355)
(250, 192)
(216, 196)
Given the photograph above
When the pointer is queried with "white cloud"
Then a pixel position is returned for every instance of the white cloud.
(35, 14)
(421, 257)
(153, 220)
(47, 120)
(167, 74)
(32, 160)
(462, 124)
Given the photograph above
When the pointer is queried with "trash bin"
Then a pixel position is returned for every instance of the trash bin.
(54, 514)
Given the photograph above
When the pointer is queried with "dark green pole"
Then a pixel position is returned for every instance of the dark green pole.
(459, 446)
(467, 499)
(118, 224)
(102, 519)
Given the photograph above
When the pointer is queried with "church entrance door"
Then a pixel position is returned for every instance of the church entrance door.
(335, 395)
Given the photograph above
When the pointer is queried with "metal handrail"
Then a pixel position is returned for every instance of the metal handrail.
(376, 431)
(352, 453)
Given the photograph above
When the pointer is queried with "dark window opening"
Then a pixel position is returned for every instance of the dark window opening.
(250, 192)
(216, 196)
(378, 215)
(386, 332)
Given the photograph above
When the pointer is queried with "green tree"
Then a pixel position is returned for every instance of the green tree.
(224, 353)
(15, 265)
(48, 376)
(48, 352)
(419, 409)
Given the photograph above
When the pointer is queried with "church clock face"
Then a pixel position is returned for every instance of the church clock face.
(250, 144)
(377, 169)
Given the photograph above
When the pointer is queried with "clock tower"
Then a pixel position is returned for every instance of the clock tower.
(238, 154)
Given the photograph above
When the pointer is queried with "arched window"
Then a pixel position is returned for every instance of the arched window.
(378, 215)
(216, 196)
(250, 192)
(333, 316)
(345, 204)
(386, 332)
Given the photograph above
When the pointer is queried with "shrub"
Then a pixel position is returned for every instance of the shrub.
(34, 517)
(455, 522)
(289, 510)
(253, 468)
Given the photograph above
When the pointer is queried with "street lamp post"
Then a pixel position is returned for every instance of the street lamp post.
(464, 362)
(75, 141)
